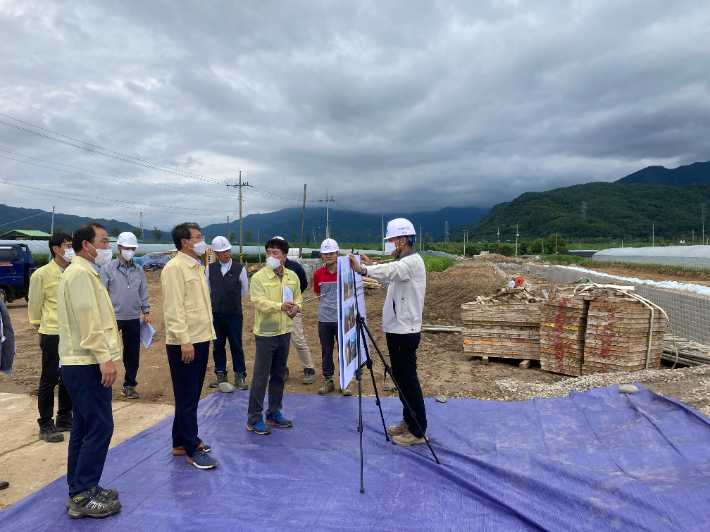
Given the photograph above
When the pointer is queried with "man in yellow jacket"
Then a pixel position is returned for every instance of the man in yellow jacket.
(42, 311)
(88, 348)
(188, 332)
(276, 294)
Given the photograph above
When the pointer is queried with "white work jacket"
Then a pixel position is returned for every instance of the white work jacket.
(405, 280)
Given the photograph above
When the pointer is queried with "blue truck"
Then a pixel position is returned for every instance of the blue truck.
(16, 268)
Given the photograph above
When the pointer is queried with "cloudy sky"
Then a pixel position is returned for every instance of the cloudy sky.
(397, 106)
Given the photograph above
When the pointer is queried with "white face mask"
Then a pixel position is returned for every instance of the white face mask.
(389, 247)
(200, 248)
(103, 256)
(273, 263)
(68, 255)
(128, 254)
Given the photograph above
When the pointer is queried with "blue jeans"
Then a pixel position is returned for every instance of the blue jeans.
(228, 327)
(131, 331)
(92, 429)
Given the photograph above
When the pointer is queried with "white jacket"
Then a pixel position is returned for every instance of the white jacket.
(406, 285)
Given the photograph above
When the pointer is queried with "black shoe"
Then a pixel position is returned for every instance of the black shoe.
(4, 485)
(110, 495)
(309, 376)
(239, 381)
(92, 503)
(286, 376)
(49, 433)
(221, 377)
(65, 422)
(130, 392)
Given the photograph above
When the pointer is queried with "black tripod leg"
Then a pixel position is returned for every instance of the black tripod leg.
(388, 370)
(374, 384)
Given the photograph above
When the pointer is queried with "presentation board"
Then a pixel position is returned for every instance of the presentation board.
(348, 289)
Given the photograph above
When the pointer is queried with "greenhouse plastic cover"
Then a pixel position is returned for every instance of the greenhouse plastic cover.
(594, 461)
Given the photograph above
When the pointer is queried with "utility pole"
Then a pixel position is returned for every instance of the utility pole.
(258, 243)
(446, 231)
(383, 233)
(71, 231)
(498, 233)
(51, 231)
(303, 220)
(240, 185)
(465, 238)
(230, 242)
(421, 237)
(142, 235)
(556, 244)
(653, 241)
(328, 199)
(703, 211)
(517, 234)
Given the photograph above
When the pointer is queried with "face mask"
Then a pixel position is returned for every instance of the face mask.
(68, 255)
(389, 247)
(273, 263)
(103, 256)
(200, 248)
(127, 254)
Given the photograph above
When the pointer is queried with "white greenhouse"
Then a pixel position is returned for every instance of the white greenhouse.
(693, 257)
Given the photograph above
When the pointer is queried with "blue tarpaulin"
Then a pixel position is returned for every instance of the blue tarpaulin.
(592, 461)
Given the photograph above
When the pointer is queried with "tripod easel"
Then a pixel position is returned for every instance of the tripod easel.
(361, 329)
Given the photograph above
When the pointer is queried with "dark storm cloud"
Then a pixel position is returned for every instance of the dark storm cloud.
(416, 104)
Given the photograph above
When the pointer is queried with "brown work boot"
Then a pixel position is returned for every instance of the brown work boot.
(398, 429)
(407, 438)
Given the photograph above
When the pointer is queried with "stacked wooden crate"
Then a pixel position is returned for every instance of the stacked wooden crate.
(617, 334)
(507, 330)
(564, 321)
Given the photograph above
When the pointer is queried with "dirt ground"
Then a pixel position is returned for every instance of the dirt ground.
(652, 274)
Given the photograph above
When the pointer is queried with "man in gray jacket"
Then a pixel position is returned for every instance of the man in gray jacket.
(128, 289)
(405, 279)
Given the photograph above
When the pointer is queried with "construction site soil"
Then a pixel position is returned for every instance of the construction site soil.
(443, 366)
(650, 273)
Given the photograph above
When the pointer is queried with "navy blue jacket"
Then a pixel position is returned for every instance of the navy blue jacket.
(298, 270)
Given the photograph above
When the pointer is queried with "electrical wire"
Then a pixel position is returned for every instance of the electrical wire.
(114, 136)
(22, 219)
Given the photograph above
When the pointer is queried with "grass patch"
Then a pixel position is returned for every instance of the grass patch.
(437, 264)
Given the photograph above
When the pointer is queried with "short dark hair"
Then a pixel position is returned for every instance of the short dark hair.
(278, 243)
(181, 231)
(85, 232)
(57, 239)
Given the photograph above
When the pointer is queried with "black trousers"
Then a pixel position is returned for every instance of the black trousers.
(50, 378)
(403, 358)
(131, 331)
(228, 328)
(188, 380)
(269, 367)
(328, 334)
(92, 429)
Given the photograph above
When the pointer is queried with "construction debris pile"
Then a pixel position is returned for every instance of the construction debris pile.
(582, 330)
(506, 325)
(682, 352)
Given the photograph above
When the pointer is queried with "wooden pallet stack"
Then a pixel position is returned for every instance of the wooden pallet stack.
(493, 328)
(564, 321)
(617, 334)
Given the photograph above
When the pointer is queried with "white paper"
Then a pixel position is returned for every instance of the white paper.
(288, 295)
(147, 333)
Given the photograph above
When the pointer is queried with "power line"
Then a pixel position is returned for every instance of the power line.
(22, 219)
(118, 155)
(110, 135)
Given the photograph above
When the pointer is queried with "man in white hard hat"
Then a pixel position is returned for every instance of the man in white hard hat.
(128, 289)
(405, 279)
(228, 285)
(325, 283)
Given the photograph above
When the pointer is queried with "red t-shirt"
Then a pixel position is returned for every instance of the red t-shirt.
(322, 275)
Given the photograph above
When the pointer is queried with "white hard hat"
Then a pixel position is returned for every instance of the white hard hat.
(127, 240)
(329, 246)
(399, 227)
(280, 238)
(219, 243)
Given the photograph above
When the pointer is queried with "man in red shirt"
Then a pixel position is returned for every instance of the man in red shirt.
(325, 283)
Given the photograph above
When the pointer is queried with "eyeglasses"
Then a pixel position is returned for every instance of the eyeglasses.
(199, 237)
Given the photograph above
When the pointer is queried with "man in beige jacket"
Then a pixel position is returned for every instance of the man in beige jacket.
(188, 331)
(88, 348)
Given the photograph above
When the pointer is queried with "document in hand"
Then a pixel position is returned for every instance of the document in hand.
(147, 333)
(288, 295)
